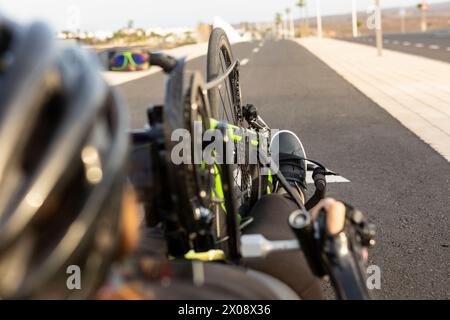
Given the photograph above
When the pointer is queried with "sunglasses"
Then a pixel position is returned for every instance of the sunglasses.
(124, 60)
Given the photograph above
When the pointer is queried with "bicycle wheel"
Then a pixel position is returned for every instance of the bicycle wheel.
(188, 218)
(225, 98)
(225, 103)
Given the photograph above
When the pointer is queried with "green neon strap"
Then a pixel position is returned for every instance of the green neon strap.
(218, 190)
(211, 255)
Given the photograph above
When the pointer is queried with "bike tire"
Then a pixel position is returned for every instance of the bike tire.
(225, 103)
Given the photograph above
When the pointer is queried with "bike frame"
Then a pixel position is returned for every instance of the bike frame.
(188, 224)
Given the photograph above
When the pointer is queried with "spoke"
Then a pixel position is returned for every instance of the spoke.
(227, 84)
(224, 109)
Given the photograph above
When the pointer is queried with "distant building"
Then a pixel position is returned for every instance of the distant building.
(203, 32)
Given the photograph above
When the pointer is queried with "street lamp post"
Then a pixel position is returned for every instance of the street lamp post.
(301, 5)
(290, 22)
(319, 19)
(402, 14)
(378, 28)
(423, 23)
(354, 19)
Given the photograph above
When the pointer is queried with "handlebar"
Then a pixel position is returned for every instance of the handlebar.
(340, 255)
(166, 62)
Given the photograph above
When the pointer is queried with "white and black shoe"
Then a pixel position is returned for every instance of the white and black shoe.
(288, 153)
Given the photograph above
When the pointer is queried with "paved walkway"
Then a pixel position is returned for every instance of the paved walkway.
(414, 90)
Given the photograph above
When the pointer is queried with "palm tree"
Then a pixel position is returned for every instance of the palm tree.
(302, 5)
(278, 21)
(278, 18)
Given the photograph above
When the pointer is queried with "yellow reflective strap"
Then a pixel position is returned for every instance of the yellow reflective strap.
(213, 123)
(211, 255)
(218, 182)
(218, 190)
(235, 137)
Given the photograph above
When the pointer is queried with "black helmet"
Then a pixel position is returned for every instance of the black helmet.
(63, 148)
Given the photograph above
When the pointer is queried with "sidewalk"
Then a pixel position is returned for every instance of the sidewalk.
(413, 89)
(189, 51)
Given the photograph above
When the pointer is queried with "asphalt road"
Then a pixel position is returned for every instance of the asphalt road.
(398, 180)
(433, 44)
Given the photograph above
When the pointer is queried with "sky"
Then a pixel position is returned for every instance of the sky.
(93, 15)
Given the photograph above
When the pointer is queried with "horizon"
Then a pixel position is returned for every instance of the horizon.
(79, 14)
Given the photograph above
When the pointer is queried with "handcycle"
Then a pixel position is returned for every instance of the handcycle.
(203, 205)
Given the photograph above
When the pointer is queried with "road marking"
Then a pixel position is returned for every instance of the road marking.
(261, 44)
(434, 47)
(395, 42)
(330, 179)
(386, 41)
(419, 45)
(256, 50)
(448, 48)
(244, 61)
(406, 43)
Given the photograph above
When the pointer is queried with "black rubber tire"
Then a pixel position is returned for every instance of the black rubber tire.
(218, 47)
(218, 43)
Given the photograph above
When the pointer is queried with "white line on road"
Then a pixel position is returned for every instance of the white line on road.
(434, 47)
(406, 43)
(244, 61)
(448, 48)
(395, 42)
(255, 50)
(419, 45)
(386, 41)
(330, 179)
(261, 44)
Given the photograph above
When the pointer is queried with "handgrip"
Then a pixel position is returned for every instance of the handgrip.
(320, 183)
(166, 62)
